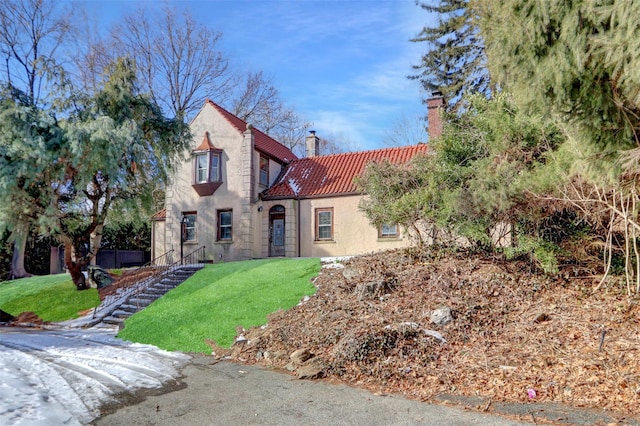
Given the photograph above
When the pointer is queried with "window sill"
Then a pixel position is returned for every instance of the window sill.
(324, 242)
(224, 242)
(388, 239)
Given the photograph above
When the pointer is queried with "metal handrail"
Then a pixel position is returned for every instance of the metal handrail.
(192, 259)
(195, 258)
(150, 270)
(150, 273)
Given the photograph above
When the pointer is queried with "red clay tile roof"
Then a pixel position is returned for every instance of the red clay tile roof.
(206, 144)
(160, 215)
(334, 174)
(264, 143)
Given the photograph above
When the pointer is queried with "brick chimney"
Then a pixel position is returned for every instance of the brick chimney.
(312, 143)
(435, 107)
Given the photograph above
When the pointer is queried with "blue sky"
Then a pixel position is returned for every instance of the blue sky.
(341, 64)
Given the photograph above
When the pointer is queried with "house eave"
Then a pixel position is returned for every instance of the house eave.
(272, 157)
(313, 196)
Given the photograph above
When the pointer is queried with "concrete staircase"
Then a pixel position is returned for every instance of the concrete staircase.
(139, 300)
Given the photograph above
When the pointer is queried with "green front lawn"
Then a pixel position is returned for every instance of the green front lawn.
(209, 305)
(51, 297)
(215, 300)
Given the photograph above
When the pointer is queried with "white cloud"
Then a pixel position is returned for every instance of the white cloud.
(342, 64)
(347, 125)
(376, 93)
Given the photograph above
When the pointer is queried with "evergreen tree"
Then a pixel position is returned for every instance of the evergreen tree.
(398, 194)
(491, 158)
(68, 175)
(116, 147)
(478, 183)
(32, 34)
(578, 62)
(28, 137)
(455, 61)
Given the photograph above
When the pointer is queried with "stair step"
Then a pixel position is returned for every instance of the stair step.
(113, 320)
(143, 295)
(155, 288)
(130, 307)
(162, 286)
(143, 303)
(155, 291)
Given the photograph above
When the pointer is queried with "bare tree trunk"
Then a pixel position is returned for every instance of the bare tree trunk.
(74, 265)
(19, 236)
(94, 243)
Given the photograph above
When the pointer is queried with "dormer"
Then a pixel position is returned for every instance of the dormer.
(207, 176)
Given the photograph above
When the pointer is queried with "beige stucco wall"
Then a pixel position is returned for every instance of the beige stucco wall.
(352, 232)
(260, 209)
(240, 192)
(290, 223)
(158, 237)
(181, 197)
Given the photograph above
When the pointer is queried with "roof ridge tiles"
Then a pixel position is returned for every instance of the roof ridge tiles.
(334, 174)
(391, 148)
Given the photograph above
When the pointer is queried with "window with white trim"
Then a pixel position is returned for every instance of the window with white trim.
(388, 230)
(225, 225)
(188, 224)
(207, 167)
(324, 224)
(264, 171)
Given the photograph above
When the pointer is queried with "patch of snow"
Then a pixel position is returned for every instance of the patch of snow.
(333, 266)
(64, 376)
(294, 186)
(334, 262)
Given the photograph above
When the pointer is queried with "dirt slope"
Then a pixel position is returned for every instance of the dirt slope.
(514, 336)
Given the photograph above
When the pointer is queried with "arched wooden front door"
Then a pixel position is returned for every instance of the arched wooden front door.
(276, 231)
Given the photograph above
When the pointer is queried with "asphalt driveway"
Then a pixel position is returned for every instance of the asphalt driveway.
(226, 393)
(79, 376)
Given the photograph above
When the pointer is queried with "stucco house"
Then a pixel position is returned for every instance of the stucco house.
(244, 195)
